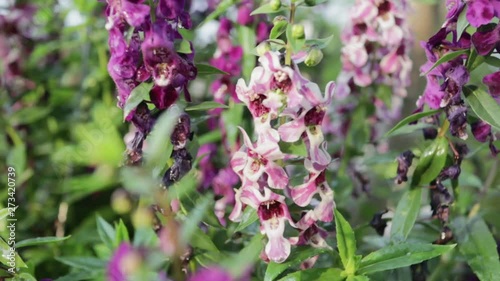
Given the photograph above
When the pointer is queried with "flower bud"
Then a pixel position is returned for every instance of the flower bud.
(120, 202)
(310, 2)
(275, 4)
(142, 217)
(298, 31)
(263, 48)
(278, 19)
(314, 57)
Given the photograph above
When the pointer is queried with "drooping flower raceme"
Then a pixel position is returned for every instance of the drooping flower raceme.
(376, 53)
(445, 81)
(285, 107)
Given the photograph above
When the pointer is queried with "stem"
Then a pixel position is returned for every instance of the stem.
(288, 55)
(444, 128)
(491, 176)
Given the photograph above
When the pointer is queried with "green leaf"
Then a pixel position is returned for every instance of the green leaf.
(157, 153)
(278, 29)
(248, 217)
(121, 233)
(221, 8)
(4, 213)
(474, 60)
(330, 274)
(40, 241)
(297, 256)
(297, 148)
(206, 69)
(401, 255)
(138, 94)
(237, 264)
(478, 246)
(183, 46)
(483, 105)
(266, 9)
(202, 241)
(145, 236)
(246, 37)
(23, 277)
(232, 119)
(410, 119)
(106, 232)
(445, 58)
(206, 105)
(493, 61)
(86, 263)
(462, 23)
(319, 43)
(406, 215)
(195, 216)
(431, 162)
(346, 243)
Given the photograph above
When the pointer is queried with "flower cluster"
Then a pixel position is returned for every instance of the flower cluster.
(445, 81)
(16, 41)
(376, 52)
(143, 48)
(286, 108)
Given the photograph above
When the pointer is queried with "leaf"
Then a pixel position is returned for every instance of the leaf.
(157, 153)
(462, 23)
(406, 215)
(295, 148)
(445, 58)
(206, 105)
(195, 216)
(138, 94)
(431, 162)
(401, 255)
(86, 263)
(145, 236)
(121, 233)
(483, 105)
(248, 217)
(246, 37)
(346, 243)
(40, 241)
(232, 119)
(297, 256)
(278, 29)
(330, 274)
(384, 93)
(202, 241)
(478, 246)
(4, 213)
(183, 46)
(237, 264)
(410, 119)
(493, 61)
(106, 232)
(206, 69)
(266, 9)
(319, 43)
(221, 8)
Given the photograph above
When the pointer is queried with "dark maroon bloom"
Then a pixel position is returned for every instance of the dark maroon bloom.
(481, 130)
(404, 162)
(486, 39)
(451, 172)
(378, 223)
(182, 165)
(182, 132)
(493, 82)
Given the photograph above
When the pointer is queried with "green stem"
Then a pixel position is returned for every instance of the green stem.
(288, 56)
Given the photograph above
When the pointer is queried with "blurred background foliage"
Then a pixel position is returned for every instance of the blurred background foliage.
(64, 135)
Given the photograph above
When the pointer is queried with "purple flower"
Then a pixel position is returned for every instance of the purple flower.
(481, 130)
(486, 40)
(133, 12)
(404, 162)
(125, 260)
(480, 12)
(492, 81)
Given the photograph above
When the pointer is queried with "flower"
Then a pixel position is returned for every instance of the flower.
(133, 12)
(124, 261)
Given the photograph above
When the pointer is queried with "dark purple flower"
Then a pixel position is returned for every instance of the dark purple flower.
(451, 172)
(481, 130)
(120, 11)
(404, 162)
(486, 40)
(493, 82)
(244, 17)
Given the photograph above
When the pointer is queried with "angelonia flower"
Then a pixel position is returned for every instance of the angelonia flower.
(149, 54)
(445, 82)
(286, 108)
(17, 36)
(376, 54)
(129, 262)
